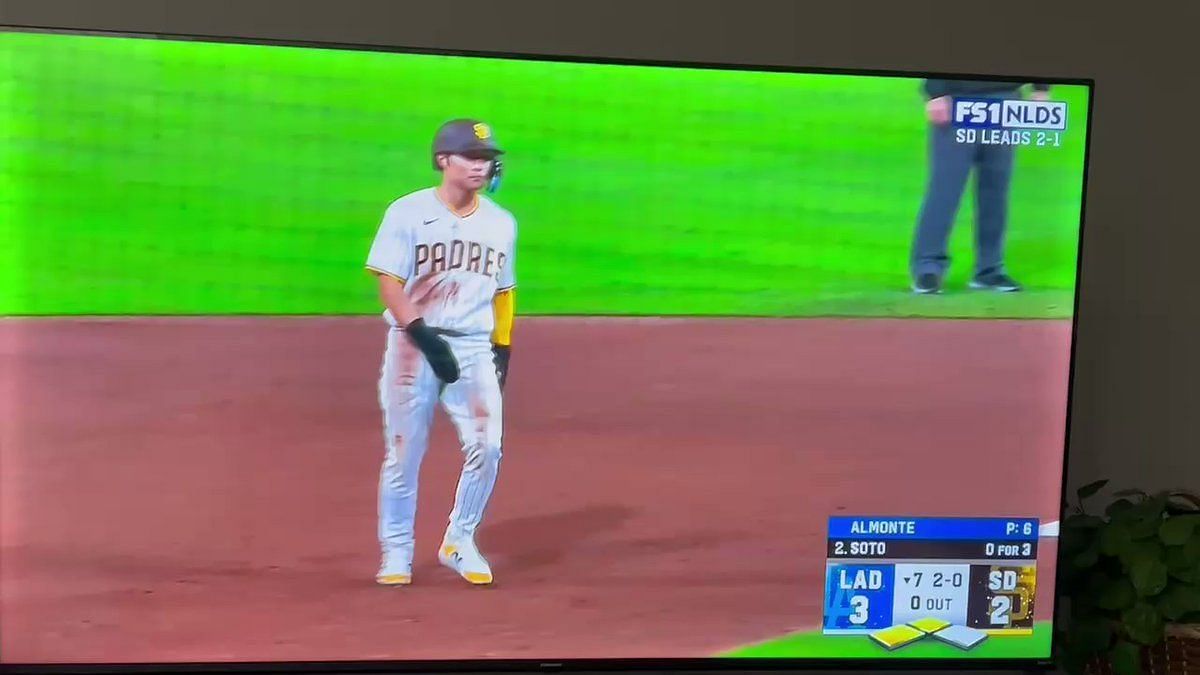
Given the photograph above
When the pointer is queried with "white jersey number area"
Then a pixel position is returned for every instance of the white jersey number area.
(452, 265)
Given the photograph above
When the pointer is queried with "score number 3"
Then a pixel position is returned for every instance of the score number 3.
(860, 604)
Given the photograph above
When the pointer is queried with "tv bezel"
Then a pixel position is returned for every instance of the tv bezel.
(692, 664)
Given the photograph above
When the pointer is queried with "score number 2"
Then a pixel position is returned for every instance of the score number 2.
(1001, 607)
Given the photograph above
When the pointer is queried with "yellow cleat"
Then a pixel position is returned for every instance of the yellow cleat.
(478, 578)
(393, 579)
(462, 557)
(396, 568)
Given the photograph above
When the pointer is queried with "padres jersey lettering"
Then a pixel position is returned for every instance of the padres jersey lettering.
(458, 254)
(452, 265)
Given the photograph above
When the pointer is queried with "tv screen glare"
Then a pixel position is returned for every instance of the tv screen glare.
(691, 363)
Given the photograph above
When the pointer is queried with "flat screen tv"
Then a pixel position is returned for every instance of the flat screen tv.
(696, 365)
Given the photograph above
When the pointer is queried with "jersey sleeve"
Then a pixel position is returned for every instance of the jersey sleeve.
(391, 252)
(508, 274)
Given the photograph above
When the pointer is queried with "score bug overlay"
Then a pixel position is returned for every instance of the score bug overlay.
(898, 580)
(994, 121)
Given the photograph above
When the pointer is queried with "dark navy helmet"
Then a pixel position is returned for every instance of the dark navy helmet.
(465, 137)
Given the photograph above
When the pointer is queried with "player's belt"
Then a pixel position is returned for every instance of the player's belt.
(448, 332)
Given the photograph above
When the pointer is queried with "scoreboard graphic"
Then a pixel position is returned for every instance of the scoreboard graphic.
(956, 580)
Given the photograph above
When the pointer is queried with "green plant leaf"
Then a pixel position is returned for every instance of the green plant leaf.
(1116, 594)
(1189, 574)
(1192, 546)
(1178, 600)
(1143, 624)
(1090, 635)
(1177, 530)
(1097, 581)
(1114, 538)
(1183, 562)
(1149, 576)
(1177, 558)
(1086, 595)
(1119, 509)
(1146, 516)
(1126, 658)
(1090, 489)
(1139, 550)
(1145, 526)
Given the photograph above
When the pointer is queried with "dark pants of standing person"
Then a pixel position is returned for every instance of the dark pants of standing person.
(950, 164)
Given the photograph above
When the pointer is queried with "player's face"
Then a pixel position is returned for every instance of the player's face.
(468, 171)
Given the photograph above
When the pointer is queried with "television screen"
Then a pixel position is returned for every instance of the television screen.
(691, 362)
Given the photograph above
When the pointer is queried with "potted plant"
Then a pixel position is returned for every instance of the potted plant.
(1129, 584)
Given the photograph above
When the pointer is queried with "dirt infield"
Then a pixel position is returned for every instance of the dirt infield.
(204, 489)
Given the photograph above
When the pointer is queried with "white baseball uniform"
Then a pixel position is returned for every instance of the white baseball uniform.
(452, 267)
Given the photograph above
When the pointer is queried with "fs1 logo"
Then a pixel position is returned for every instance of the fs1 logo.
(995, 113)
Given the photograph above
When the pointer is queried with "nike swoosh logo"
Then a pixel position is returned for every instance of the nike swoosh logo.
(431, 220)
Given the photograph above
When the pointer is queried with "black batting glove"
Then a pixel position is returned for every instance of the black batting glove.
(500, 356)
(435, 349)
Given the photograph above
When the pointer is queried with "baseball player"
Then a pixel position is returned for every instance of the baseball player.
(444, 261)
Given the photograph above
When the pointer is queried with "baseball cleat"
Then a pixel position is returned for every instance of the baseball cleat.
(393, 579)
(463, 557)
(396, 569)
(927, 283)
(996, 281)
